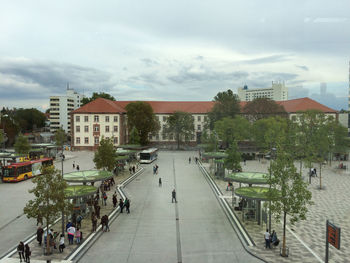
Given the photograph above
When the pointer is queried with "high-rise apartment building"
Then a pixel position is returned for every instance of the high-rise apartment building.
(278, 92)
(61, 106)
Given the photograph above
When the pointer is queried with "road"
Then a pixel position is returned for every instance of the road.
(152, 233)
(14, 225)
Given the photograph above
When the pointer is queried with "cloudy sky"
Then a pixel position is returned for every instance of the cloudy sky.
(172, 50)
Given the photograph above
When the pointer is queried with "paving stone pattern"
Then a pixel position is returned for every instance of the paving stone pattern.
(332, 202)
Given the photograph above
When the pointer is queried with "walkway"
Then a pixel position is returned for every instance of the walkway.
(151, 233)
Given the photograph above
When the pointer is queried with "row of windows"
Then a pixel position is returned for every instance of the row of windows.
(199, 118)
(96, 118)
(96, 128)
(96, 140)
(165, 137)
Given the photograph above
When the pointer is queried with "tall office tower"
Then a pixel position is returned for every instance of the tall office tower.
(61, 106)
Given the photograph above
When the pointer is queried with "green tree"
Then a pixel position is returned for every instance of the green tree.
(96, 95)
(181, 124)
(22, 146)
(49, 198)
(226, 104)
(260, 108)
(134, 137)
(140, 115)
(2, 137)
(28, 119)
(232, 162)
(105, 157)
(288, 192)
(60, 137)
(231, 129)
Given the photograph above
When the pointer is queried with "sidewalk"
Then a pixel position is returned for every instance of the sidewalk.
(86, 228)
(330, 203)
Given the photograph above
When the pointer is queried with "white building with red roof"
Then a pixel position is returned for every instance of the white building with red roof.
(107, 118)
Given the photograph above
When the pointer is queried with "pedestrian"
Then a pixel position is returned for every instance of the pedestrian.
(173, 196)
(105, 198)
(104, 222)
(62, 245)
(130, 170)
(73, 164)
(160, 181)
(78, 168)
(127, 205)
(121, 205)
(77, 235)
(74, 219)
(27, 253)
(154, 169)
(133, 169)
(20, 250)
(196, 160)
(157, 168)
(315, 172)
(79, 219)
(98, 209)
(115, 200)
(39, 220)
(71, 232)
(244, 161)
(94, 222)
(267, 239)
(189, 160)
(39, 235)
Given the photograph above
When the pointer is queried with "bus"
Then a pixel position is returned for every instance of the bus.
(16, 172)
(149, 155)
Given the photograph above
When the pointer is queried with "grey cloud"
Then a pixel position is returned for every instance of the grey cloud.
(33, 77)
(305, 68)
(267, 59)
(149, 62)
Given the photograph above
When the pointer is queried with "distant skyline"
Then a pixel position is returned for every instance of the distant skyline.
(172, 50)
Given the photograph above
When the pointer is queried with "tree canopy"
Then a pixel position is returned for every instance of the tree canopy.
(28, 119)
(180, 124)
(134, 137)
(140, 115)
(49, 196)
(22, 146)
(226, 105)
(263, 108)
(96, 95)
(233, 159)
(60, 137)
(105, 157)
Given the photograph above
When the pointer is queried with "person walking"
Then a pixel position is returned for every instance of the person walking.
(189, 160)
(94, 222)
(77, 235)
(115, 200)
(61, 243)
(98, 209)
(27, 253)
(73, 165)
(160, 181)
(173, 196)
(267, 239)
(133, 168)
(20, 250)
(39, 235)
(79, 219)
(157, 168)
(71, 231)
(127, 205)
(105, 198)
(121, 205)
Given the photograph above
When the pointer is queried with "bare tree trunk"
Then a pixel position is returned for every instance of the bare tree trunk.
(284, 234)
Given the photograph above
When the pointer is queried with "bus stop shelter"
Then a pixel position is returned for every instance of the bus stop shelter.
(218, 160)
(88, 176)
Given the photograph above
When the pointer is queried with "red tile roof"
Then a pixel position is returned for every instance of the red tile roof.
(101, 105)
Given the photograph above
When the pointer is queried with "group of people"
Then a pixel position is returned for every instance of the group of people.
(125, 204)
(313, 172)
(195, 159)
(271, 239)
(132, 169)
(73, 233)
(24, 252)
(76, 166)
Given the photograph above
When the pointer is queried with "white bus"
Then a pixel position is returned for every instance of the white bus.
(149, 155)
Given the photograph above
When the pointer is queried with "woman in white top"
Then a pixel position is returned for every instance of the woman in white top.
(62, 246)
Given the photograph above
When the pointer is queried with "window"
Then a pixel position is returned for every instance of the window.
(164, 118)
(199, 118)
(96, 140)
(96, 128)
(164, 127)
(205, 118)
(107, 119)
(77, 128)
(96, 118)
(86, 128)
(199, 127)
(150, 136)
(115, 140)
(107, 128)
(77, 140)
(192, 137)
(171, 136)
(115, 128)
(86, 118)
(294, 118)
(157, 137)
(86, 140)
(115, 118)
